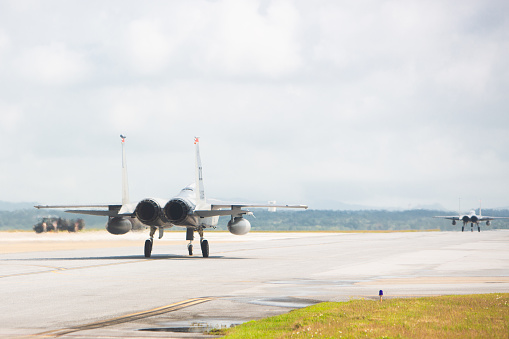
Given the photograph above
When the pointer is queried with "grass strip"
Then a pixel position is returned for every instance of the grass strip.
(455, 316)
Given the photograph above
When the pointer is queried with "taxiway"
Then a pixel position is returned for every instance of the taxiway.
(98, 285)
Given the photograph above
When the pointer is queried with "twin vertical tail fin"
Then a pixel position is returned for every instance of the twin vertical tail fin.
(200, 191)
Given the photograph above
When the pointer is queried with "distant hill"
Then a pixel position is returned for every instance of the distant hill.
(285, 220)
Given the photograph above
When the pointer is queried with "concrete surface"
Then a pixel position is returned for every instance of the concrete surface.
(93, 284)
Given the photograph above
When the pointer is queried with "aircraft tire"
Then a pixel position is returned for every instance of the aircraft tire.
(463, 229)
(478, 228)
(190, 249)
(205, 248)
(148, 248)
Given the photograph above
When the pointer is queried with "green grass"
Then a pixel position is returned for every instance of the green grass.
(467, 316)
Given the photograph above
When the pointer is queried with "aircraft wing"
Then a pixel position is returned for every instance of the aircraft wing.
(228, 205)
(106, 210)
(236, 209)
(491, 218)
(455, 217)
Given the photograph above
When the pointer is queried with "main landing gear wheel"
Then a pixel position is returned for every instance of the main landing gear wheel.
(463, 229)
(478, 228)
(205, 248)
(148, 248)
(190, 249)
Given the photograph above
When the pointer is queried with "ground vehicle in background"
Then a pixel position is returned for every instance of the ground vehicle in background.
(56, 224)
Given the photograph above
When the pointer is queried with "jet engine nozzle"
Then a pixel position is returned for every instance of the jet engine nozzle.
(465, 219)
(474, 218)
(148, 211)
(176, 210)
(239, 226)
(119, 225)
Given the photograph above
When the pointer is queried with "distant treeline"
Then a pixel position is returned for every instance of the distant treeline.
(319, 220)
(25, 219)
(282, 220)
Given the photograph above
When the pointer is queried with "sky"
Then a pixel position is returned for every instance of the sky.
(333, 104)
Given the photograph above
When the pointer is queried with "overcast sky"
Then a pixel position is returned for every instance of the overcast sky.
(374, 103)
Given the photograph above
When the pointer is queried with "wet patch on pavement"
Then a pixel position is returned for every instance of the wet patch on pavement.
(288, 302)
(194, 326)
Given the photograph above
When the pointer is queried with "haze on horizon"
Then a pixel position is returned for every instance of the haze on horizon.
(380, 104)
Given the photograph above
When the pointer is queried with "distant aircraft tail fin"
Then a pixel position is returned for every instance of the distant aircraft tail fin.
(125, 186)
(200, 191)
(480, 207)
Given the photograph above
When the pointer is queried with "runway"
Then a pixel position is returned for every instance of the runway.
(98, 285)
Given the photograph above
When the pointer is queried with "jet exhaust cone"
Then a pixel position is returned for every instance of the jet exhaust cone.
(176, 210)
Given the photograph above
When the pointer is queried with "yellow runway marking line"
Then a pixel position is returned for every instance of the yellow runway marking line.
(126, 318)
(436, 280)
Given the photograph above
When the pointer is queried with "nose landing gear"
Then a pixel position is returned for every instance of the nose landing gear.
(204, 244)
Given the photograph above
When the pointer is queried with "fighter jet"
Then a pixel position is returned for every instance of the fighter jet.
(190, 209)
(471, 218)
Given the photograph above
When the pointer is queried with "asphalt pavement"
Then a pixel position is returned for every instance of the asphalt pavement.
(98, 285)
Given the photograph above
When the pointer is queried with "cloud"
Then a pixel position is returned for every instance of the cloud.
(5, 46)
(4, 42)
(12, 120)
(241, 41)
(149, 48)
(368, 102)
(53, 64)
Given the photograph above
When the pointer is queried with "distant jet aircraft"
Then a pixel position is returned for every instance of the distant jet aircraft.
(189, 209)
(472, 218)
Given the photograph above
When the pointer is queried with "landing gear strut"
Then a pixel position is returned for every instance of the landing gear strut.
(148, 248)
(190, 237)
(205, 248)
(149, 242)
(204, 244)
